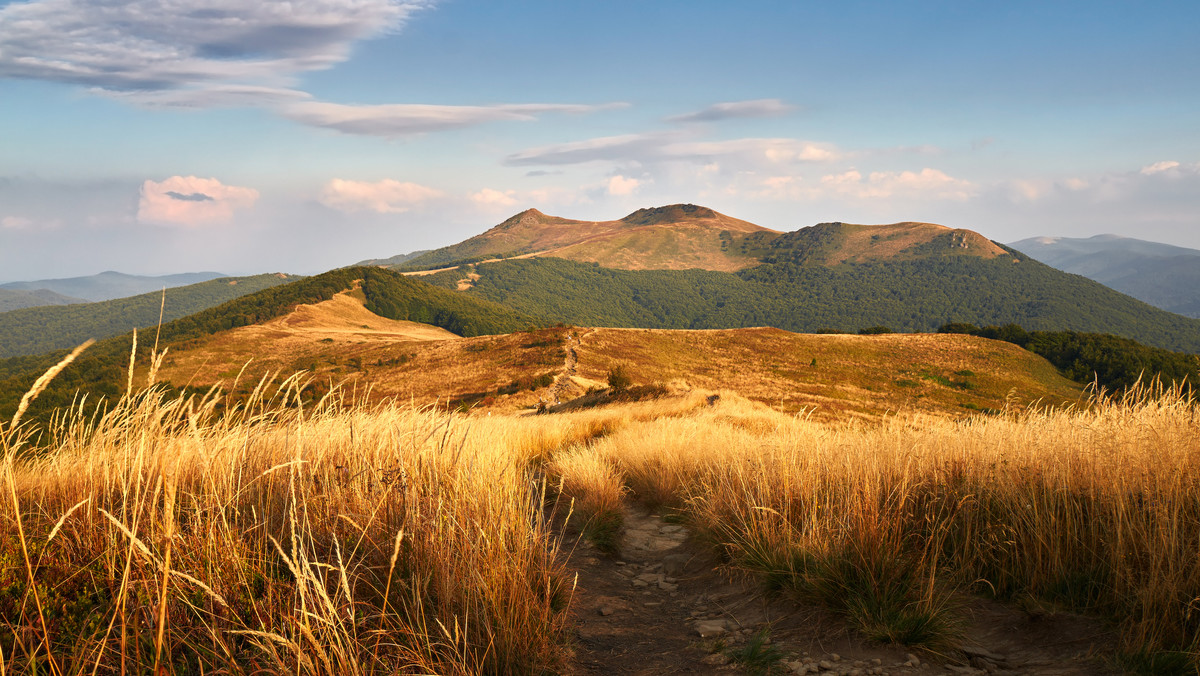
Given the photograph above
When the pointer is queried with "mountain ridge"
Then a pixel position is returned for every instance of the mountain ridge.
(1163, 275)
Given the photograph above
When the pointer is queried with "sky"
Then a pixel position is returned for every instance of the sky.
(166, 136)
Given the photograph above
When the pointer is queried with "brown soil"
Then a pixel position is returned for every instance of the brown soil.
(666, 605)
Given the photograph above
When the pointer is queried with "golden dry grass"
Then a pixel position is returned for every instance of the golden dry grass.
(834, 377)
(360, 539)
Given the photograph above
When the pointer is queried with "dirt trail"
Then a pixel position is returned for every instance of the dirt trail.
(563, 382)
(663, 606)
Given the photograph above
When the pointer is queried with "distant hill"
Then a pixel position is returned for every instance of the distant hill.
(674, 237)
(110, 285)
(36, 330)
(100, 371)
(1165, 276)
(15, 299)
(394, 260)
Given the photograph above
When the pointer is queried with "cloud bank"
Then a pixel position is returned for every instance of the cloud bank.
(226, 53)
(160, 45)
(191, 201)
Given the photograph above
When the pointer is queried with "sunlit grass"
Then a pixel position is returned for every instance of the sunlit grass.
(346, 538)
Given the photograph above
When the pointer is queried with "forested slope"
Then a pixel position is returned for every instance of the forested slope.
(906, 295)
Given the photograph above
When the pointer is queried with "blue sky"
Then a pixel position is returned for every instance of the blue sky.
(159, 136)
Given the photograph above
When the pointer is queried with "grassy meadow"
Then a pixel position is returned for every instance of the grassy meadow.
(377, 538)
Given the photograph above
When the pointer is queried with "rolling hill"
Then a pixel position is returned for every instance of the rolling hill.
(111, 285)
(1162, 275)
(36, 330)
(100, 371)
(833, 376)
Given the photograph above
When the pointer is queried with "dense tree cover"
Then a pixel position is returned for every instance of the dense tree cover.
(913, 295)
(101, 370)
(1110, 361)
(37, 330)
(398, 297)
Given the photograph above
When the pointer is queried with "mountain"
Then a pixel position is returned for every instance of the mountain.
(1163, 275)
(36, 330)
(907, 276)
(16, 299)
(674, 237)
(110, 285)
(384, 294)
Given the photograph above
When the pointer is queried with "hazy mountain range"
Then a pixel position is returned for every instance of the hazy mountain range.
(108, 285)
(1160, 274)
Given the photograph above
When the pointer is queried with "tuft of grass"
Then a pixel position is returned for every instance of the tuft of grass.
(758, 656)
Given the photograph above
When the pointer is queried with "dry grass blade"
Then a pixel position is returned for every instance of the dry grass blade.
(63, 518)
(40, 384)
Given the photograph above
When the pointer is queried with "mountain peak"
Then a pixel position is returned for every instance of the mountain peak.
(671, 213)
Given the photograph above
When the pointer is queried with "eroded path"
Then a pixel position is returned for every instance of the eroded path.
(664, 606)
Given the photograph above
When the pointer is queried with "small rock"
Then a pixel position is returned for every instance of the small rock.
(620, 563)
(668, 587)
(825, 665)
(916, 661)
(605, 610)
(834, 657)
(641, 583)
(859, 663)
(650, 578)
(855, 672)
(652, 604)
(711, 628)
(877, 662)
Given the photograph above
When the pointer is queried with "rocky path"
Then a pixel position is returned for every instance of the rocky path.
(563, 381)
(663, 607)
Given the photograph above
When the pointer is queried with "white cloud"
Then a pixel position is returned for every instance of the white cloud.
(192, 201)
(736, 109)
(1159, 167)
(15, 222)
(386, 197)
(165, 44)
(925, 184)
(403, 118)
(490, 198)
(620, 186)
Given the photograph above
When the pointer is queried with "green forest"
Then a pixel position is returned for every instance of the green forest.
(913, 295)
(36, 330)
(1110, 362)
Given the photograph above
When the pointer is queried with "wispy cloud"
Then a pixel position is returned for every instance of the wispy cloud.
(192, 201)
(670, 146)
(227, 53)
(736, 109)
(406, 119)
(385, 197)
